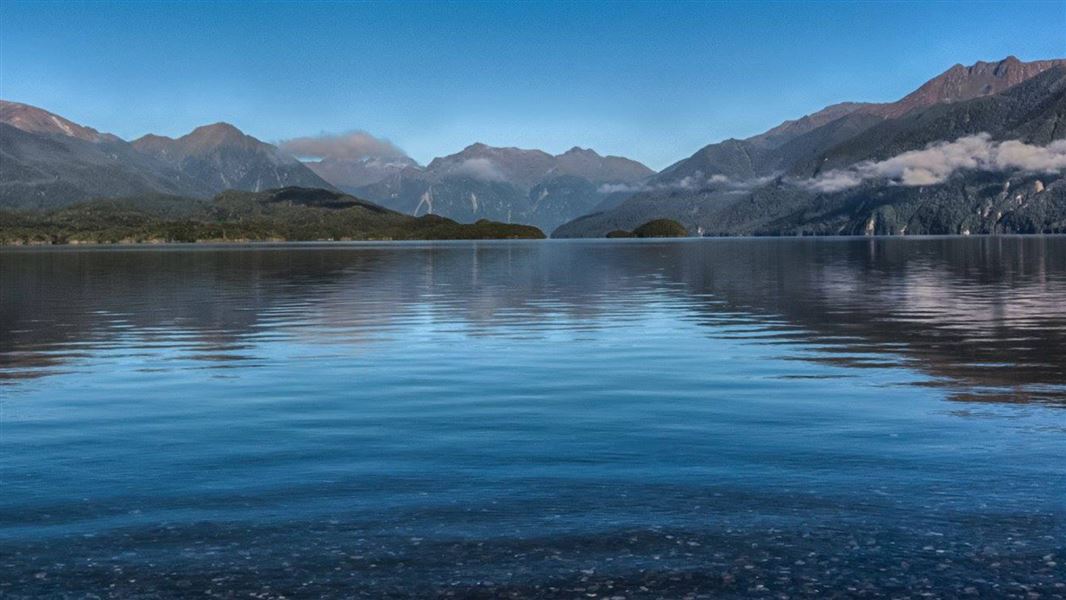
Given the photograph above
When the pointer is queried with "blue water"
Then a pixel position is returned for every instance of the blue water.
(876, 417)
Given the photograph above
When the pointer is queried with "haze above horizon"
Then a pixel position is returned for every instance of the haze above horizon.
(653, 82)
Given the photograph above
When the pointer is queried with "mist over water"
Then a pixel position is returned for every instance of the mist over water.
(559, 419)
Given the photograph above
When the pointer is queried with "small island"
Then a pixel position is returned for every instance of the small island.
(658, 228)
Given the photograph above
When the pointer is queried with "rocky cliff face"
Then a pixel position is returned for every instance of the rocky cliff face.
(961, 83)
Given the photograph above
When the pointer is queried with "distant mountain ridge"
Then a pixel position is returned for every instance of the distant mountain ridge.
(50, 161)
(528, 167)
(349, 174)
(506, 184)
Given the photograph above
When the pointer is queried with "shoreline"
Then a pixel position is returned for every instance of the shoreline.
(278, 242)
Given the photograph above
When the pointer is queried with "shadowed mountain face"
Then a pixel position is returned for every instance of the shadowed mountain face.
(937, 167)
(507, 184)
(47, 170)
(797, 127)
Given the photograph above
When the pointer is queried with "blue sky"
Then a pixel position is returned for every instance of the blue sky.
(653, 81)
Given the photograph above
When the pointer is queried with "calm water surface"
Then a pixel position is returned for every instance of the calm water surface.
(536, 419)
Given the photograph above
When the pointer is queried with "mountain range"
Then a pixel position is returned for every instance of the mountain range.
(976, 149)
(853, 168)
(505, 184)
(50, 162)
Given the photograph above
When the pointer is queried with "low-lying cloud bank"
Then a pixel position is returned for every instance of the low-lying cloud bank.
(354, 145)
(939, 161)
(695, 182)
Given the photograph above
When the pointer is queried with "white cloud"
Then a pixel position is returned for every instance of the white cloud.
(696, 181)
(479, 168)
(611, 188)
(939, 161)
(353, 145)
(1049, 159)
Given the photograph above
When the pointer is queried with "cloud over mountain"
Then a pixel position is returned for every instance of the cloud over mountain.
(939, 161)
(353, 145)
(695, 182)
(480, 168)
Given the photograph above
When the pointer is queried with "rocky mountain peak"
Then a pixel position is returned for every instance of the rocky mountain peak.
(579, 151)
(1010, 61)
(968, 82)
(589, 164)
(219, 128)
(222, 157)
(37, 120)
(201, 139)
(217, 133)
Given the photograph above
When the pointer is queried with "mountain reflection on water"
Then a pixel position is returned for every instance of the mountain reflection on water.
(560, 419)
(982, 317)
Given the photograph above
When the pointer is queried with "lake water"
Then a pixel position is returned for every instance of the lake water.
(749, 417)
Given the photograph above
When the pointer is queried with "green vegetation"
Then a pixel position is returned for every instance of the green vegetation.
(660, 228)
(287, 214)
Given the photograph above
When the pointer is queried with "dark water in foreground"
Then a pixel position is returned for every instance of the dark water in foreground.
(549, 419)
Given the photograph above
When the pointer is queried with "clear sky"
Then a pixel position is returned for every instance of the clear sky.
(653, 81)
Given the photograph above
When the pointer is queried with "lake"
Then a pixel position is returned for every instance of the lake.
(730, 417)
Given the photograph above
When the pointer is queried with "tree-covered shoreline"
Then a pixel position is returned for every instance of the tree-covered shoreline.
(287, 214)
